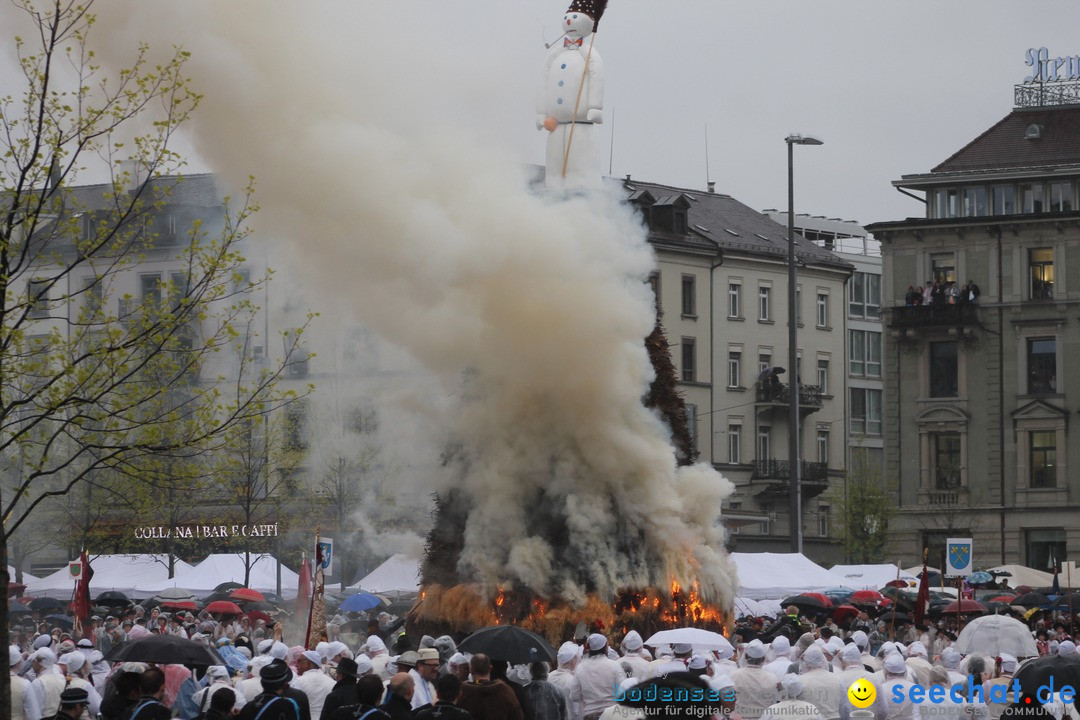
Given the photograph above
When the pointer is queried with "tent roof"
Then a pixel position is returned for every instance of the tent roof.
(870, 577)
(123, 573)
(229, 567)
(776, 575)
(399, 573)
(1021, 575)
(27, 577)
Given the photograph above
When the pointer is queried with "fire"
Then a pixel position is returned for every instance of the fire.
(462, 608)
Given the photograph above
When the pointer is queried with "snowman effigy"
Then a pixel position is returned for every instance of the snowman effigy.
(570, 102)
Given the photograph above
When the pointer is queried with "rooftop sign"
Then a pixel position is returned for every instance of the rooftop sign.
(1048, 69)
(195, 532)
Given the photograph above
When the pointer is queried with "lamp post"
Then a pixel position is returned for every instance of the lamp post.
(794, 466)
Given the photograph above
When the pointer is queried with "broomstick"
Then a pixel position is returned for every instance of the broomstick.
(577, 104)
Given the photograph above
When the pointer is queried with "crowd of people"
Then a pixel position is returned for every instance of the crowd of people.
(941, 292)
(805, 668)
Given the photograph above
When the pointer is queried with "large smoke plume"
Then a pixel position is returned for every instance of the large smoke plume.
(376, 143)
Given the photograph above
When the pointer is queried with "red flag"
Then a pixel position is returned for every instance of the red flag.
(80, 603)
(303, 593)
(922, 602)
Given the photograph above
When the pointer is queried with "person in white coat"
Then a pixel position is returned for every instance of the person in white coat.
(48, 683)
(950, 661)
(74, 666)
(24, 702)
(790, 706)
(820, 685)
(312, 681)
(423, 674)
(635, 656)
(563, 678)
(755, 687)
(851, 671)
(896, 685)
(570, 100)
(780, 654)
(218, 677)
(598, 676)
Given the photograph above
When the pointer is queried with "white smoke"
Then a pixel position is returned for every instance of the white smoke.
(375, 139)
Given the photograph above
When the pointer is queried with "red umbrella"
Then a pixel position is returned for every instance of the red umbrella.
(256, 615)
(897, 583)
(181, 605)
(841, 612)
(1002, 598)
(865, 597)
(246, 594)
(224, 607)
(964, 606)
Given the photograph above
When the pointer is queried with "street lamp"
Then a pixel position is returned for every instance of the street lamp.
(794, 469)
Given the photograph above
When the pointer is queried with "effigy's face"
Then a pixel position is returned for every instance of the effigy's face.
(577, 24)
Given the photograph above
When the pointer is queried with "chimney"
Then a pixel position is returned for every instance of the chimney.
(132, 179)
(712, 186)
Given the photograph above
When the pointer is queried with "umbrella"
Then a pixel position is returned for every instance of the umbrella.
(893, 616)
(808, 602)
(175, 593)
(1065, 601)
(840, 612)
(46, 603)
(513, 644)
(361, 602)
(980, 578)
(964, 607)
(1030, 599)
(181, 605)
(1061, 670)
(224, 607)
(256, 605)
(998, 608)
(1007, 599)
(225, 587)
(256, 615)
(897, 584)
(704, 639)
(112, 598)
(838, 593)
(17, 608)
(274, 598)
(60, 620)
(244, 593)
(164, 649)
(865, 597)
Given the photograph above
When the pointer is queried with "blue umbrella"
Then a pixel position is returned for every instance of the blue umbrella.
(978, 578)
(360, 602)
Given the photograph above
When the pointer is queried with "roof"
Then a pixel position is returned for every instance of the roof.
(201, 190)
(720, 221)
(1004, 145)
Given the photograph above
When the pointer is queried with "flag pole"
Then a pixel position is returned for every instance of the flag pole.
(311, 603)
(1068, 583)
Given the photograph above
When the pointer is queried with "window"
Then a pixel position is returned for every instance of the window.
(943, 268)
(1042, 365)
(691, 424)
(944, 370)
(1041, 262)
(798, 305)
(1043, 446)
(734, 433)
(688, 358)
(864, 295)
(37, 298)
(1061, 197)
(823, 376)
(822, 310)
(946, 460)
(764, 304)
(689, 304)
(1004, 199)
(734, 306)
(93, 297)
(295, 439)
(654, 283)
(763, 449)
(734, 369)
(823, 521)
(974, 202)
(865, 353)
(764, 362)
(946, 203)
(1046, 548)
(150, 288)
(865, 415)
(1031, 198)
(823, 447)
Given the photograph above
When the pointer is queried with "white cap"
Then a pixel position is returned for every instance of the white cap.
(217, 672)
(363, 664)
(894, 663)
(851, 653)
(813, 657)
(43, 641)
(917, 649)
(567, 652)
(836, 645)
(724, 652)
(780, 646)
(1067, 647)
(313, 657)
(45, 656)
(323, 649)
(792, 685)
(754, 649)
(682, 648)
(460, 659)
(14, 655)
(279, 650)
(375, 645)
(886, 648)
(336, 648)
(73, 660)
(264, 646)
(1008, 662)
(632, 641)
(697, 662)
(597, 642)
(258, 663)
(950, 658)
(96, 656)
(860, 639)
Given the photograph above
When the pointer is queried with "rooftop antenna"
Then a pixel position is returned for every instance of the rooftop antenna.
(611, 151)
(708, 176)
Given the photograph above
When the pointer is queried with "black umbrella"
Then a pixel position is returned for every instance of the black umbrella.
(676, 694)
(1065, 601)
(1057, 669)
(892, 616)
(47, 603)
(164, 649)
(1031, 599)
(225, 587)
(60, 621)
(112, 598)
(17, 608)
(510, 643)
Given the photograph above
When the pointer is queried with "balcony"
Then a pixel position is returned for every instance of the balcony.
(779, 395)
(771, 478)
(918, 316)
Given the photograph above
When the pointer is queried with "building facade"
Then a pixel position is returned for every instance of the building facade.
(722, 284)
(978, 392)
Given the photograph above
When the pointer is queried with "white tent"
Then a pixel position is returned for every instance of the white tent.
(1020, 575)
(229, 567)
(26, 577)
(123, 573)
(870, 577)
(398, 574)
(777, 575)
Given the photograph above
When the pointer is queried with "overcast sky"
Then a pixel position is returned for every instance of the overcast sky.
(891, 87)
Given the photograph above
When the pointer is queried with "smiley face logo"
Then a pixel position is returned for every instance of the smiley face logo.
(862, 693)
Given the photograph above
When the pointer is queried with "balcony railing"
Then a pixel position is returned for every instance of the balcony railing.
(779, 394)
(934, 315)
(781, 470)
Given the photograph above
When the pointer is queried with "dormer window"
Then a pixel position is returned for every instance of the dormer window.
(670, 214)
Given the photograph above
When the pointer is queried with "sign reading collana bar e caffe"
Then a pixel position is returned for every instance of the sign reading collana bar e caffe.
(1048, 69)
(196, 532)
